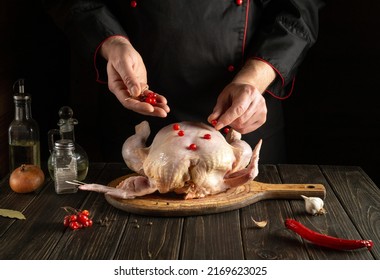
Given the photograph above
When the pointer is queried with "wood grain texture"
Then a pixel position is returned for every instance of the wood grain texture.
(335, 222)
(11, 200)
(212, 237)
(36, 237)
(356, 191)
(258, 242)
(351, 202)
(150, 238)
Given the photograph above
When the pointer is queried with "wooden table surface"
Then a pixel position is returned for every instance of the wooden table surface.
(352, 203)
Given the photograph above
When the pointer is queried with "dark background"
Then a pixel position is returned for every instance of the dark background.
(332, 117)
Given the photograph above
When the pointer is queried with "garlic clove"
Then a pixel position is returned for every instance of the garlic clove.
(259, 224)
(314, 205)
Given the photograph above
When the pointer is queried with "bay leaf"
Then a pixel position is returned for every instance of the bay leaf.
(8, 213)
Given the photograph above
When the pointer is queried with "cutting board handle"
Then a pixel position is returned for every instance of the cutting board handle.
(288, 191)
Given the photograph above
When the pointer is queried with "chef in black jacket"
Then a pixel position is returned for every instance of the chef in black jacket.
(234, 61)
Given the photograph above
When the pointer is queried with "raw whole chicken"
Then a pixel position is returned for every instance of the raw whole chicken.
(189, 158)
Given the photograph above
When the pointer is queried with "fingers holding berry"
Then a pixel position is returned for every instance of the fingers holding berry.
(148, 103)
(152, 98)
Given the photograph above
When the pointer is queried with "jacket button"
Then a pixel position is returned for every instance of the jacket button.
(239, 2)
(231, 68)
(133, 4)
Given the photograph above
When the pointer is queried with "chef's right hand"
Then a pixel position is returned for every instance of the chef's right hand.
(241, 104)
(127, 77)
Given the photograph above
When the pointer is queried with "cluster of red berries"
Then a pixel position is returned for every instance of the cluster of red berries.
(149, 97)
(77, 220)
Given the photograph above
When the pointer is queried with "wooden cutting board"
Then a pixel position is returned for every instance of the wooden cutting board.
(235, 198)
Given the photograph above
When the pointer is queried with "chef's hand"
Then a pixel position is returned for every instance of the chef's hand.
(127, 77)
(241, 104)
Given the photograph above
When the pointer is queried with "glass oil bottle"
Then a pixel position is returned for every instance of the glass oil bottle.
(23, 132)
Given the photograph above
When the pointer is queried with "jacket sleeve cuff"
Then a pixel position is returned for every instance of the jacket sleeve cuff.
(278, 88)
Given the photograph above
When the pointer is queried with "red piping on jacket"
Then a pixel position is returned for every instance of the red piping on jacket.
(96, 55)
(245, 28)
(282, 80)
(263, 60)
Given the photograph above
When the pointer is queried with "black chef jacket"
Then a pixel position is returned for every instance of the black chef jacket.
(192, 49)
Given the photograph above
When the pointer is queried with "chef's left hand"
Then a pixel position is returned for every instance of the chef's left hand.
(127, 77)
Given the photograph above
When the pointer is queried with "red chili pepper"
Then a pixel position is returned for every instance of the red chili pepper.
(326, 240)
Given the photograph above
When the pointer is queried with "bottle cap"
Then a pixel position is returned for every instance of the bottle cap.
(64, 144)
(66, 122)
(19, 90)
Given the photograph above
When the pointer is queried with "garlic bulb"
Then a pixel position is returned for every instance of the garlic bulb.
(314, 205)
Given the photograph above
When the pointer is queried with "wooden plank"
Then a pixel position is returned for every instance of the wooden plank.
(37, 236)
(273, 242)
(360, 198)
(336, 222)
(162, 238)
(14, 201)
(98, 242)
(351, 201)
(144, 237)
(17, 201)
(118, 235)
(212, 237)
(150, 238)
(101, 240)
(205, 237)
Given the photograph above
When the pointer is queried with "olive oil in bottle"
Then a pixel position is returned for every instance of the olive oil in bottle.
(24, 152)
(23, 132)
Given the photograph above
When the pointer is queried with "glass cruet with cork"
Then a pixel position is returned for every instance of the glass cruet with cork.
(23, 132)
(66, 131)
